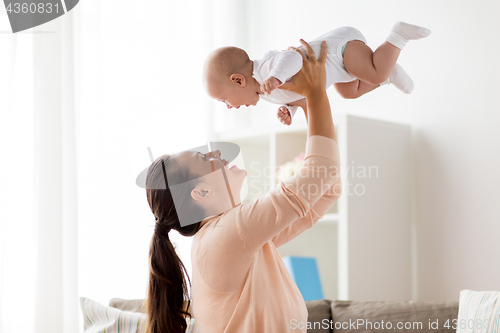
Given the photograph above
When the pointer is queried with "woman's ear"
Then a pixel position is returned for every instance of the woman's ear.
(202, 194)
(238, 80)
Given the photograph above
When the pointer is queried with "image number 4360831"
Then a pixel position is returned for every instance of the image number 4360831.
(26, 14)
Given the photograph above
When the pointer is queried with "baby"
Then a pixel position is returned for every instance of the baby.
(351, 66)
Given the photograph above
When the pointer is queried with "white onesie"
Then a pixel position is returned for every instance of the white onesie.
(285, 64)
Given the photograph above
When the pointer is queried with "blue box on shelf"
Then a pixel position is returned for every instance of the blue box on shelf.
(304, 272)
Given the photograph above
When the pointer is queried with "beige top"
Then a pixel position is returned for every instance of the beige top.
(239, 281)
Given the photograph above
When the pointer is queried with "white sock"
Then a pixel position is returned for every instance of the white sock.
(402, 32)
(400, 79)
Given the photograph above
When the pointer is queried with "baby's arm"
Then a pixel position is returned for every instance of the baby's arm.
(285, 65)
(270, 84)
(286, 112)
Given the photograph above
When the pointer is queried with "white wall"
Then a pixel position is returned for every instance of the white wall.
(452, 108)
(457, 123)
(455, 112)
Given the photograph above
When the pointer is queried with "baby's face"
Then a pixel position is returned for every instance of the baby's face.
(233, 95)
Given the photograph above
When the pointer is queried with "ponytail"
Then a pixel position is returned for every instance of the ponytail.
(167, 289)
(168, 301)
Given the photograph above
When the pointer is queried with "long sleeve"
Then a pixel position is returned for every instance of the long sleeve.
(282, 65)
(261, 220)
(317, 211)
(232, 240)
(285, 65)
(236, 268)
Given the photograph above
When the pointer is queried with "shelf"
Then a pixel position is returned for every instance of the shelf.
(250, 132)
(332, 219)
(372, 204)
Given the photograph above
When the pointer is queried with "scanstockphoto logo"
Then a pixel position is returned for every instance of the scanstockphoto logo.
(27, 14)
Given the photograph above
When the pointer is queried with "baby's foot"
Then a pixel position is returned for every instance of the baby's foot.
(284, 115)
(403, 32)
(400, 79)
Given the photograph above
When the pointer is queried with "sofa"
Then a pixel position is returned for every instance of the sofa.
(352, 316)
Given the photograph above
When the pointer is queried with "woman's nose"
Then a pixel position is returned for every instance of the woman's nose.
(216, 154)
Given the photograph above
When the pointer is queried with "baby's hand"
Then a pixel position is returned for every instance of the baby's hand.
(284, 115)
(269, 85)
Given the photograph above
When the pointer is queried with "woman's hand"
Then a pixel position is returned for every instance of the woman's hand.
(312, 77)
(310, 82)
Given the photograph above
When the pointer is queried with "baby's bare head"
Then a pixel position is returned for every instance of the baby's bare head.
(225, 61)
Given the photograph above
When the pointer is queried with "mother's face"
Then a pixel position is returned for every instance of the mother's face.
(219, 187)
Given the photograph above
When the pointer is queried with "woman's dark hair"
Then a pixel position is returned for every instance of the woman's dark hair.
(167, 302)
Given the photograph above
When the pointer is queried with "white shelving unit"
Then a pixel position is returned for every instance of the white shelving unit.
(363, 243)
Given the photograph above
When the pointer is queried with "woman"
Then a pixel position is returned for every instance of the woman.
(240, 283)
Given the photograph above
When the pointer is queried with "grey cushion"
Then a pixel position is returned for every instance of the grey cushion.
(318, 310)
(134, 305)
(345, 315)
(319, 316)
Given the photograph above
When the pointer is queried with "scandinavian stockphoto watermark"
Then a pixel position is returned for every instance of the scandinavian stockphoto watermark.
(354, 178)
(26, 14)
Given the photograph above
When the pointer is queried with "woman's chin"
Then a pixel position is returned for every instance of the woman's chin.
(235, 168)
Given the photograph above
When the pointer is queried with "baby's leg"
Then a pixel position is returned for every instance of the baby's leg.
(376, 67)
(354, 89)
(366, 65)
(357, 88)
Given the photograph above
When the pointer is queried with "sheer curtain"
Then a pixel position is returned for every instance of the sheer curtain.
(17, 249)
(81, 100)
(139, 86)
(38, 286)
